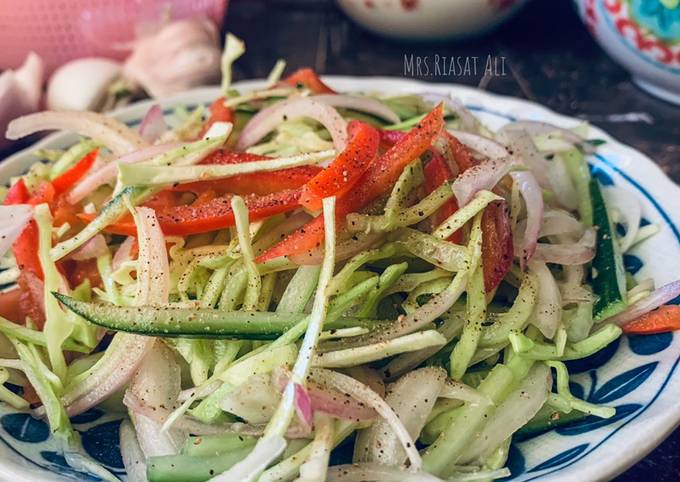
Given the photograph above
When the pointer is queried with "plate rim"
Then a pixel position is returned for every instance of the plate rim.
(654, 175)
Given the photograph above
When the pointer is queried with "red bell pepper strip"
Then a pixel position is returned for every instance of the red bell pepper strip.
(663, 319)
(497, 248)
(437, 172)
(308, 78)
(209, 216)
(218, 113)
(44, 193)
(68, 179)
(25, 248)
(31, 298)
(17, 194)
(259, 183)
(376, 181)
(461, 154)
(346, 169)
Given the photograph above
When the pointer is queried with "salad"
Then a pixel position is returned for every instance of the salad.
(299, 284)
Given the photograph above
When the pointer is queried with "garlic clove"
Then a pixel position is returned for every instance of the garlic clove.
(82, 84)
(183, 54)
(20, 91)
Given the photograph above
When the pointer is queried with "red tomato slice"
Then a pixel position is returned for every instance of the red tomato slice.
(308, 78)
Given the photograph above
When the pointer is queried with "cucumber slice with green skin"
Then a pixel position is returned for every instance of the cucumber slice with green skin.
(210, 445)
(192, 468)
(609, 277)
(197, 322)
(545, 420)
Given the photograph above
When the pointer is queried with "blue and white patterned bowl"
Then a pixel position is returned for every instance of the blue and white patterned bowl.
(637, 375)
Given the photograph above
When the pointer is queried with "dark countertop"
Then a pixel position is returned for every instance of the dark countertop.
(549, 56)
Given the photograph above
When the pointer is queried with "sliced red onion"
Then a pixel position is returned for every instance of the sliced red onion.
(658, 297)
(331, 401)
(189, 424)
(511, 415)
(153, 270)
(13, 220)
(123, 253)
(533, 200)
(537, 128)
(115, 135)
(572, 289)
(94, 248)
(412, 398)
(269, 118)
(485, 146)
(107, 173)
(364, 394)
(483, 176)
(561, 223)
(548, 311)
(359, 103)
(562, 185)
(111, 373)
(577, 253)
(153, 125)
(520, 145)
(377, 473)
(630, 213)
(134, 460)
(303, 405)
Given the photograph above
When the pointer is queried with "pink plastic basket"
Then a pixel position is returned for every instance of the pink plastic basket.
(61, 30)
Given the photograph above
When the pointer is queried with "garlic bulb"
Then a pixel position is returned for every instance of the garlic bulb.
(82, 84)
(20, 91)
(183, 54)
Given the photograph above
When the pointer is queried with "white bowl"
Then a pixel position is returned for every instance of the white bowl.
(643, 36)
(429, 19)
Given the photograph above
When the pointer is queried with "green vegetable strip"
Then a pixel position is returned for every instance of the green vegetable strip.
(516, 319)
(196, 322)
(234, 288)
(444, 254)
(8, 396)
(35, 337)
(215, 286)
(150, 175)
(406, 217)
(458, 219)
(534, 350)
(609, 279)
(476, 305)
(192, 468)
(576, 403)
(411, 177)
(250, 300)
(369, 353)
(299, 290)
(450, 445)
(577, 167)
(278, 425)
(57, 327)
(234, 48)
(267, 291)
(341, 280)
(405, 125)
(72, 156)
(387, 279)
(216, 444)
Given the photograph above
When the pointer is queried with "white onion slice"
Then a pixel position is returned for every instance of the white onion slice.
(377, 473)
(483, 176)
(468, 122)
(153, 270)
(94, 248)
(153, 125)
(629, 210)
(658, 297)
(412, 398)
(511, 415)
(581, 252)
(123, 253)
(548, 311)
(13, 220)
(269, 118)
(537, 128)
(115, 135)
(134, 460)
(533, 200)
(109, 171)
(560, 223)
(359, 103)
(364, 394)
(485, 146)
(254, 401)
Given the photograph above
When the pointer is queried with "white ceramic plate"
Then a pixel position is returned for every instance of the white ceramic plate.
(636, 374)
